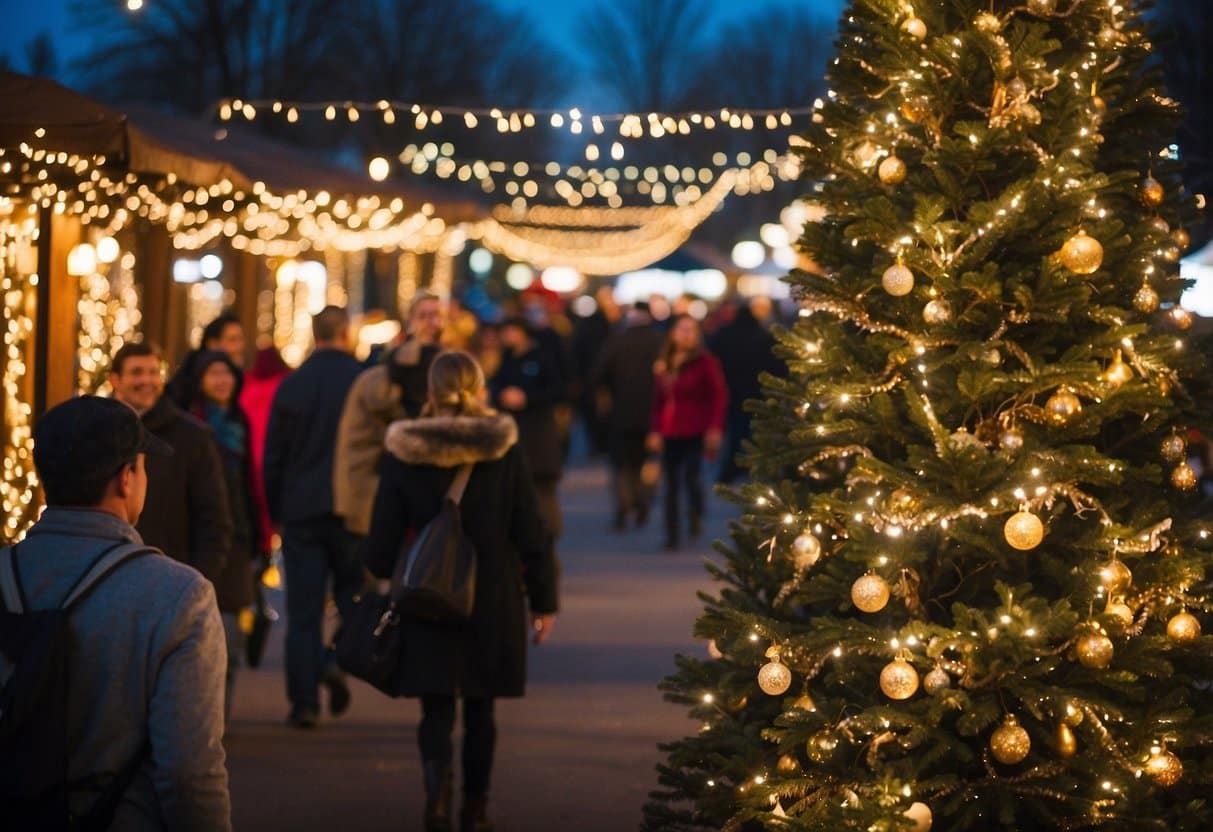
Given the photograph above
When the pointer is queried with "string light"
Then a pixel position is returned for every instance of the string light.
(19, 485)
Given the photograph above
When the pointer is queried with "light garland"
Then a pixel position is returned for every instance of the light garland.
(109, 311)
(18, 486)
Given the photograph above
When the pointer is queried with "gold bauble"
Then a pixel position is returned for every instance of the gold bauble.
(1183, 627)
(1063, 405)
(1174, 448)
(774, 678)
(915, 28)
(1164, 768)
(1023, 530)
(916, 109)
(1010, 743)
(1171, 253)
(787, 764)
(820, 747)
(899, 679)
(1011, 439)
(936, 681)
(1067, 746)
(1115, 577)
(1150, 192)
(714, 650)
(937, 312)
(1182, 318)
(897, 280)
(1073, 715)
(1146, 300)
(1016, 88)
(1118, 371)
(1120, 612)
(1042, 7)
(1181, 238)
(1082, 254)
(892, 171)
(919, 814)
(1183, 477)
(1108, 37)
(1095, 651)
(865, 153)
(806, 550)
(1159, 225)
(870, 593)
(988, 23)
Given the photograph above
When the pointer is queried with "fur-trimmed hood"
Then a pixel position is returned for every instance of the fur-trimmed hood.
(448, 441)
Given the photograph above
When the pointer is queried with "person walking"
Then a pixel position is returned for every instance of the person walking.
(214, 398)
(484, 658)
(316, 546)
(687, 419)
(393, 389)
(143, 716)
(256, 397)
(625, 374)
(186, 515)
(224, 334)
(528, 386)
(590, 335)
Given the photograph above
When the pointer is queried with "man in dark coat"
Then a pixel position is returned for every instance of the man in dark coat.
(590, 335)
(746, 350)
(625, 372)
(186, 515)
(528, 386)
(299, 443)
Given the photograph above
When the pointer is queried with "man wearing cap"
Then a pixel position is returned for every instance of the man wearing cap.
(147, 659)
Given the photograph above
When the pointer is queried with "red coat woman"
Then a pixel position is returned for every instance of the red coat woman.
(260, 385)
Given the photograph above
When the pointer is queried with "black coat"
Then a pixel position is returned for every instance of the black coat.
(536, 374)
(186, 514)
(301, 435)
(625, 370)
(746, 350)
(515, 565)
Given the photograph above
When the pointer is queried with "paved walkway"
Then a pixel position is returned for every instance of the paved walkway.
(576, 754)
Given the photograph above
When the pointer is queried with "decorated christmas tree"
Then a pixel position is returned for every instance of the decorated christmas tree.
(968, 585)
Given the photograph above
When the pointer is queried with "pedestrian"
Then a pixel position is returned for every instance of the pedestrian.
(590, 335)
(528, 386)
(746, 350)
(393, 389)
(485, 657)
(316, 546)
(186, 514)
(625, 375)
(224, 334)
(143, 717)
(687, 419)
(215, 399)
(256, 396)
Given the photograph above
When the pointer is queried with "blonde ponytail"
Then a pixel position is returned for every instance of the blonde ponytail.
(455, 384)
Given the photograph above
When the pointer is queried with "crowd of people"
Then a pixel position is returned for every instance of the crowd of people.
(338, 463)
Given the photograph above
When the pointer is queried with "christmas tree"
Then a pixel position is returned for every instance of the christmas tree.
(968, 583)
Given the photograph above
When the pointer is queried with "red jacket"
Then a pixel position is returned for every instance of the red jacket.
(690, 402)
(256, 398)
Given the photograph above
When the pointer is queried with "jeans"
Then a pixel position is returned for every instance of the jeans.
(627, 464)
(682, 463)
(479, 739)
(312, 551)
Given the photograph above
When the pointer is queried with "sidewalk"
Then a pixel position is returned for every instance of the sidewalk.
(577, 753)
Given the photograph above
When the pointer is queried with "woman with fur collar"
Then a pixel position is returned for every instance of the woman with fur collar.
(485, 657)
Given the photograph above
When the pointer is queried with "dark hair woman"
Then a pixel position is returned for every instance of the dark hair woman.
(215, 399)
(485, 657)
(687, 419)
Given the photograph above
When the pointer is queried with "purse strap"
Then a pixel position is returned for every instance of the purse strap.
(460, 483)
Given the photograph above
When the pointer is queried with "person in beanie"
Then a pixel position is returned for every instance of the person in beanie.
(224, 334)
(485, 657)
(147, 656)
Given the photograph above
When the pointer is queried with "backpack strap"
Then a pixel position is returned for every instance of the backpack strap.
(106, 562)
(10, 587)
(460, 483)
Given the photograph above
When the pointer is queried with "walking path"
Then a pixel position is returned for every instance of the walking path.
(576, 754)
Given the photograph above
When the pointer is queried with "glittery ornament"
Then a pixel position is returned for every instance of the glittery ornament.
(1146, 300)
(915, 28)
(1042, 7)
(899, 679)
(936, 681)
(1182, 318)
(1150, 192)
(806, 550)
(820, 747)
(920, 815)
(1115, 577)
(1164, 768)
(870, 593)
(1067, 746)
(1023, 530)
(916, 108)
(1082, 254)
(1073, 715)
(1160, 226)
(897, 280)
(1011, 439)
(1183, 627)
(1181, 238)
(892, 171)
(865, 153)
(1183, 477)
(1174, 448)
(988, 23)
(774, 678)
(937, 312)
(1121, 613)
(787, 764)
(1095, 651)
(1062, 406)
(1118, 371)
(1010, 743)
(1108, 37)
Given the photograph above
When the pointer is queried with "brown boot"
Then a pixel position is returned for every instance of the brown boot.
(438, 789)
(474, 817)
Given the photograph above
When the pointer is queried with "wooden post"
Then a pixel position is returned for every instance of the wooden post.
(57, 322)
(248, 268)
(154, 273)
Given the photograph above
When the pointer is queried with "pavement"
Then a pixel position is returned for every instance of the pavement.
(577, 753)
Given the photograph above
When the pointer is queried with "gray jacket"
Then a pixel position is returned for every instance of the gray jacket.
(147, 665)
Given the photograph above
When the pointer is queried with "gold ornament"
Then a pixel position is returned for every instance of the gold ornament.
(870, 593)
(1011, 439)
(805, 703)
(787, 764)
(1161, 226)
(1095, 651)
(1164, 768)
(1115, 577)
(1150, 192)
(915, 28)
(920, 815)
(897, 280)
(936, 682)
(1010, 743)
(1146, 300)
(1182, 318)
(1023, 530)
(937, 312)
(1118, 371)
(1067, 746)
(988, 23)
(1183, 477)
(1174, 448)
(1082, 254)
(899, 679)
(1183, 627)
(1041, 7)
(1099, 105)
(1072, 716)
(916, 109)
(865, 153)
(1062, 405)
(1181, 238)
(807, 549)
(1109, 37)
(714, 650)
(1171, 253)
(892, 171)
(1120, 612)
(774, 678)
(820, 747)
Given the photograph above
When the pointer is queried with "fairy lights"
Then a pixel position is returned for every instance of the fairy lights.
(19, 484)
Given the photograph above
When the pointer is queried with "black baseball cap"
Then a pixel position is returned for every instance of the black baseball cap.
(91, 438)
